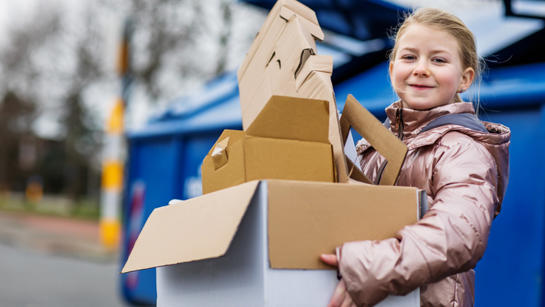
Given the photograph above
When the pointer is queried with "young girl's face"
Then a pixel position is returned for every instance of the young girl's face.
(427, 69)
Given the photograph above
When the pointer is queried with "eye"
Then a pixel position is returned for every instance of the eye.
(439, 60)
(408, 57)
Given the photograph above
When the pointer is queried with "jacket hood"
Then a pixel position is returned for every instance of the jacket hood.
(411, 122)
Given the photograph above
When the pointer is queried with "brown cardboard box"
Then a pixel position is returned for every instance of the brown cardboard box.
(305, 219)
(251, 158)
(287, 140)
(282, 61)
(255, 243)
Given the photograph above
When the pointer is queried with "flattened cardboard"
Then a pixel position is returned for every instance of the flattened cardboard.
(387, 144)
(305, 219)
(200, 228)
(277, 76)
(273, 25)
(283, 61)
(251, 158)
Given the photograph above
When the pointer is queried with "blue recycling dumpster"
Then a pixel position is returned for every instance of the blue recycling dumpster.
(164, 159)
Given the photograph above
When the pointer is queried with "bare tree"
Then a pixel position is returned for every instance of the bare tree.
(54, 59)
(18, 107)
(48, 65)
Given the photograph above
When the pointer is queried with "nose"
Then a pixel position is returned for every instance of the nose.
(421, 69)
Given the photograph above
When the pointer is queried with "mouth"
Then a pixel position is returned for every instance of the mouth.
(421, 86)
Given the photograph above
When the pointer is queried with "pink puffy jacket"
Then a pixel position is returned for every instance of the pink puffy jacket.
(464, 173)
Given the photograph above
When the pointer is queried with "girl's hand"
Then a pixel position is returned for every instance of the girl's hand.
(340, 297)
(329, 259)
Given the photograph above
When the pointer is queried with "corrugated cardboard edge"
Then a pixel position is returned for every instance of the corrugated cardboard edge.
(314, 81)
(199, 228)
(306, 219)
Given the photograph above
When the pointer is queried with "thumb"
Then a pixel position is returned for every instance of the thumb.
(330, 259)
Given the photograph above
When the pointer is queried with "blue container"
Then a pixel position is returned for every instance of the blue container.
(164, 160)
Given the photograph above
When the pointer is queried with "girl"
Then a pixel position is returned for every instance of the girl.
(461, 163)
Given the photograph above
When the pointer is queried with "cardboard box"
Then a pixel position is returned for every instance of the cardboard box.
(282, 61)
(251, 158)
(268, 236)
(288, 140)
(258, 243)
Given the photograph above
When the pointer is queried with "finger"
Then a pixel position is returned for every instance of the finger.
(330, 259)
(347, 300)
(338, 296)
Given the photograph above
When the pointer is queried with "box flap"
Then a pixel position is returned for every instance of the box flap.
(308, 219)
(292, 118)
(388, 145)
(199, 228)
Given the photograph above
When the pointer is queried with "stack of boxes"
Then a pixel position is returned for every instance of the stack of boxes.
(279, 193)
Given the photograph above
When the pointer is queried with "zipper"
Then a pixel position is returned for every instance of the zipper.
(399, 121)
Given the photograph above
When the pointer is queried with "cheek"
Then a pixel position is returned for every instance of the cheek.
(449, 79)
(398, 74)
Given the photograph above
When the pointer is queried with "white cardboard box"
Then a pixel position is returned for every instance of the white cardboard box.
(243, 277)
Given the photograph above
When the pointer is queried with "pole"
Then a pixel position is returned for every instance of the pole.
(113, 158)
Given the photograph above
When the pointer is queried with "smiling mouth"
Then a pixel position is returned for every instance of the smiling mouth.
(420, 86)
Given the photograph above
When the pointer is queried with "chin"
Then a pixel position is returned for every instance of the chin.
(422, 105)
(418, 105)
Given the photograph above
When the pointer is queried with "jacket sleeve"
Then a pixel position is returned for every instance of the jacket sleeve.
(449, 239)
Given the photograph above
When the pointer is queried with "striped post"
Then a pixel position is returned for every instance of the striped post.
(112, 178)
(113, 158)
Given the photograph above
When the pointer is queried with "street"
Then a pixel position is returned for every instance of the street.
(32, 278)
(53, 261)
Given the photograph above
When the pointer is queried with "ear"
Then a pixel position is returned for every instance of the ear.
(467, 78)
(390, 69)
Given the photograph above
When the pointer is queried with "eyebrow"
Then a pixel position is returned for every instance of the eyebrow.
(412, 49)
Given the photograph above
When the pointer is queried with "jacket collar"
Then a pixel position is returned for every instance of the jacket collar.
(415, 120)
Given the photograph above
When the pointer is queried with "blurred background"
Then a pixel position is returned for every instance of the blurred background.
(107, 108)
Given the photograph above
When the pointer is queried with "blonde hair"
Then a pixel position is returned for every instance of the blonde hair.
(451, 24)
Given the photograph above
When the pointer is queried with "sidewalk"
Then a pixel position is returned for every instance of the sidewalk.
(54, 235)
